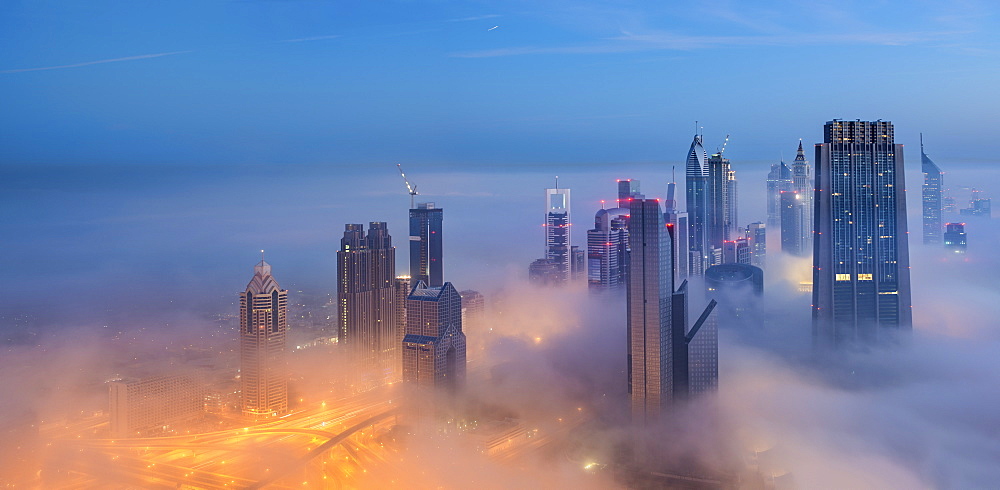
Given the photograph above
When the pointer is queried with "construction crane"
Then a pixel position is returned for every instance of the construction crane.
(724, 143)
(412, 189)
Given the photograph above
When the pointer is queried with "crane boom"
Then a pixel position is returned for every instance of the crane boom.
(724, 143)
(411, 189)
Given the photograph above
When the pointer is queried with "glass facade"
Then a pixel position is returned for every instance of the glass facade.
(426, 251)
(861, 277)
(263, 328)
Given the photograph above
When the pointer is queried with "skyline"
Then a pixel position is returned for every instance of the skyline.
(251, 82)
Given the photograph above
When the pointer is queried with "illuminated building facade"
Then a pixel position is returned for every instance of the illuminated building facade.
(145, 406)
(434, 345)
(794, 223)
(757, 233)
(954, 238)
(263, 328)
(366, 301)
(401, 286)
(696, 185)
(931, 194)
(473, 311)
(720, 217)
(607, 246)
(861, 273)
(677, 225)
(802, 185)
(557, 232)
(426, 246)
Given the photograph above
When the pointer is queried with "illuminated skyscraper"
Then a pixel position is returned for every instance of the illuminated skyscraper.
(802, 184)
(434, 345)
(557, 232)
(861, 274)
(954, 238)
(263, 327)
(696, 183)
(366, 304)
(426, 250)
(720, 217)
(606, 249)
(794, 223)
(401, 287)
(757, 233)
(931, 197)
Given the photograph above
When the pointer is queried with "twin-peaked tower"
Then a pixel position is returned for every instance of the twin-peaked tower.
(861, 273)
(263, 327)
(366, 304)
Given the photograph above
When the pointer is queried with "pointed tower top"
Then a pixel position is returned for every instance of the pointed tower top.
(262, 281)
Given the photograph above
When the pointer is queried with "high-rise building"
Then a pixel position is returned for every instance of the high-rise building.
(778, 179)
(954, 238)
(677, 225)
(434, 344)
(721, 196)
(628, 189)
(757, 233)
(696, 185)
(794, 223)
(401, 287)
(650, 300)
(931, 194)
(263, 328)
(606, 249)
(473, 311)
(978, 205)
(578, 263)
(557, 231)
(144, 406)
(545, 272)
(737, 288)
(426, 249)
(802, 184)
(738, 251)
(366, 304)
(861, 273)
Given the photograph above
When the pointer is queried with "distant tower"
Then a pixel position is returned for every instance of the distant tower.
(802, 184)
(931, 194)
(434, 345)
(794, 223)
(778, 179)
(557, 231)
(954, 238)
(757, 233)
(426, 251)
(263, 326)
(861, 274)
(606, 249)
(401, 289)
(677, 225)
(696, 183)
(366, 304)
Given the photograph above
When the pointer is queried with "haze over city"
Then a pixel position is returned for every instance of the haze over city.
(150, 152)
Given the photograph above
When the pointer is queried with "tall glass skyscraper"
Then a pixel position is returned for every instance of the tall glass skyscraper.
(861, 274)
(778, 179)
(366, 304)
(720, 217)
(558, 244)
(263, 327)
(607, 249)
(931, 194)
(696, 183)
(426, 251)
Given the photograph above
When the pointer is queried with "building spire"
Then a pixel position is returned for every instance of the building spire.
(921, 143)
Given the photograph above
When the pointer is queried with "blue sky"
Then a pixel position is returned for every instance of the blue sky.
(238, 82)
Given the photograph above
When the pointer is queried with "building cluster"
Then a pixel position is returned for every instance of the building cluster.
(851, 220)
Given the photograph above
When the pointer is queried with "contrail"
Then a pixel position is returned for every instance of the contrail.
(87, 63)
(491, 28)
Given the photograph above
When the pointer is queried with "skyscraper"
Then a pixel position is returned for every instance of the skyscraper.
(366, 304)
(720, 217)
(757, 233)
(778, 179)
(802, 184)
(861, 274)
(650, 300)
(931, 193)
(401, 287)
(263, 326)
(954, 238)
(557, 231)
(426, 251)
(696, 184)
(606, 249)
(677, 225)
(434, 344)
(794, 223)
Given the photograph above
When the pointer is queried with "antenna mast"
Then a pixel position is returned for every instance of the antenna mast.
(411, 189)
